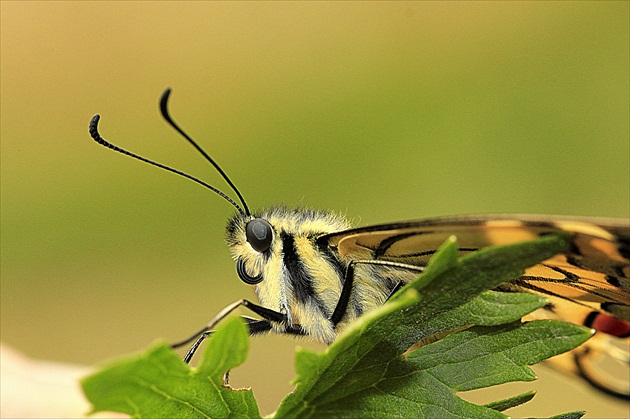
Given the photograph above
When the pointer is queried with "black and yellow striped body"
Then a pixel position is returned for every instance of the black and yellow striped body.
(303, 277)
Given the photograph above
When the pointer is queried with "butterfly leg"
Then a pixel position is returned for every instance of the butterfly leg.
(344, 298)
(254, 326)
(346, 290)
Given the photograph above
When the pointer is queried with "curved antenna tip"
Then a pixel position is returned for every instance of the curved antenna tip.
(94, 126)
(164, 100)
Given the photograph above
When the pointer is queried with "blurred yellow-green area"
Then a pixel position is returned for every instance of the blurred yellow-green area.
(381, 111)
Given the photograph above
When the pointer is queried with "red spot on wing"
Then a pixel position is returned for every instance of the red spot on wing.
(611, 325)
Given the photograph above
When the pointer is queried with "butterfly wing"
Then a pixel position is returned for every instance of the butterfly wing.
(589, 284)
(595, 271)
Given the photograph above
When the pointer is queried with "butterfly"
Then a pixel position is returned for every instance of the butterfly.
(314, 274)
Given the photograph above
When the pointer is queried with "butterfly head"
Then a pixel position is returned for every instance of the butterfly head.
(256, 241)
(276, 247)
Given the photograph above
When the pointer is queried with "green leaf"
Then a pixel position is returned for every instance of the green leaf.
(477, 338)
(511, 402)
(159, 384)
(485, 356)
(569, 415)
(364, 373)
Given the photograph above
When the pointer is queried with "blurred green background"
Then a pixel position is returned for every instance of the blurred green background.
(381, 111)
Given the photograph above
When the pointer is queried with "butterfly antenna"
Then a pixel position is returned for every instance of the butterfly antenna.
(97, 137)
(169, 119)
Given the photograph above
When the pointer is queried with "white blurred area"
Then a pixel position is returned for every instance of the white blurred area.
(33, 388)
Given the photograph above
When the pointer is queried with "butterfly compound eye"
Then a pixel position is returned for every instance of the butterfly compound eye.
(259, 234)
